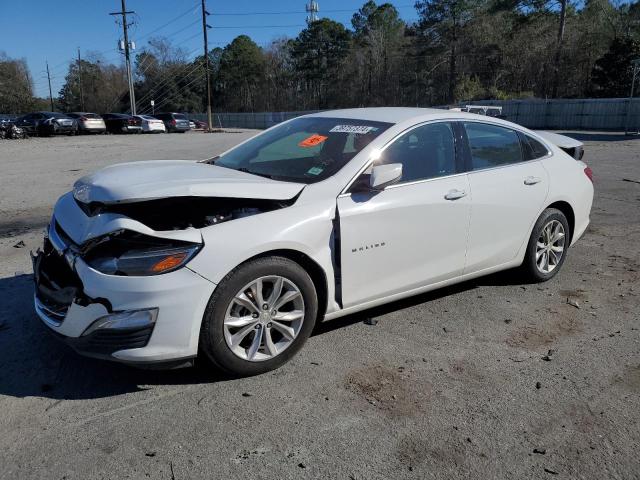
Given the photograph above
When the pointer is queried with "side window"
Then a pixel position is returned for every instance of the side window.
(424, 152)
(492, 146)
(532, 148)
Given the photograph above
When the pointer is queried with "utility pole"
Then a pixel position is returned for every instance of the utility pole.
(80, 80)
(123, 13)
(206, 61)
(49, 78)
(636, 69)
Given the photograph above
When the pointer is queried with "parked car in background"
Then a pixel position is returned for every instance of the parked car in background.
(122, 123)
(192, 125)
(47, 123)
(175, 122)
(151, 124)
(199, 125)
(88, 122)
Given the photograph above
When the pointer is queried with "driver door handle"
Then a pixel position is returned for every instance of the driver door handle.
(532, 180)
(455, 194)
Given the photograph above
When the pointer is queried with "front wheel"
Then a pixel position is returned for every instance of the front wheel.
(259, 316)
(547, 247)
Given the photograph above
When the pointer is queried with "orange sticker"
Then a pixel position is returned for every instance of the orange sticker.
(312, 141)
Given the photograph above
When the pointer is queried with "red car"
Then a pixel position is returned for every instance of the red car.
(200, 125)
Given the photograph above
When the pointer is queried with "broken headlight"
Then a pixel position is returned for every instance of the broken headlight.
(133, 254)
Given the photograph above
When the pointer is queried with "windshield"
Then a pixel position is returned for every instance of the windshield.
(304, 150)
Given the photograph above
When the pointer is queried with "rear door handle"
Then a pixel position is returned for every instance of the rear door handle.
(532, 180)
(455, 194)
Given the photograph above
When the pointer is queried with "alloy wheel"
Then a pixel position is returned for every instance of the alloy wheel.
(264, 318)
(550, 246)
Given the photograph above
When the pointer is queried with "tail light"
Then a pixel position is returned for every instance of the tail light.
(84, 119)
(589, 173)
(132, 121)
(173, 122)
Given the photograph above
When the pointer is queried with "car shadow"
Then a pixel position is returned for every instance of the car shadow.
(35, 364)
(504, 278)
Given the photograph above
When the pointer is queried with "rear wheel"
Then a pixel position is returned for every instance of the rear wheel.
(547, 247)
(259, 316)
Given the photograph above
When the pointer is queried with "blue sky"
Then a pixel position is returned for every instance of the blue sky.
(41, 30)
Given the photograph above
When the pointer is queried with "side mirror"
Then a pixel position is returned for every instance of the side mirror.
(385, 175)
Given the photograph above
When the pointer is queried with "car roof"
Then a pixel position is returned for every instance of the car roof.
(403, 114)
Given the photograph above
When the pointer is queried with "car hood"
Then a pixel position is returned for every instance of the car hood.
(154, 179)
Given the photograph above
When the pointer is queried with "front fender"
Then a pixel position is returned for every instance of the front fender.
(306, 229)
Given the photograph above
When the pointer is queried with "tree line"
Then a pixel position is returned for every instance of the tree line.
(457, 50)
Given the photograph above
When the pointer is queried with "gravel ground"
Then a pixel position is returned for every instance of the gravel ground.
(488, 379)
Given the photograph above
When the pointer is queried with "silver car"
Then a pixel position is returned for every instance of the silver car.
(88, 122)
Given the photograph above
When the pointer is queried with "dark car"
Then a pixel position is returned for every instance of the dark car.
(175, 122)
(200, 125)
(47, 123)
(88, 122)
(122, 123)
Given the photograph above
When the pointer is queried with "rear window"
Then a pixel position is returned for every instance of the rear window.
(492, 145)
(91, 115)
(533, 148)
(179, 116)
(56, 115)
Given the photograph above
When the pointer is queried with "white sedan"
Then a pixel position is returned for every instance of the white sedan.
(238, 257)
(151, 124)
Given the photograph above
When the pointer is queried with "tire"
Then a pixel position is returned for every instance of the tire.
(215, 335)
(555, 222)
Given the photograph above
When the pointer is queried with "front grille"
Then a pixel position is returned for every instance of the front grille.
(56, 284)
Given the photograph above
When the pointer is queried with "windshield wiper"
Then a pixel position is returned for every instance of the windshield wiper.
(246, 170)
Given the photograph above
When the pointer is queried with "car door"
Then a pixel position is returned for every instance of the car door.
(410, 234)
(507, 192)
(26, 122)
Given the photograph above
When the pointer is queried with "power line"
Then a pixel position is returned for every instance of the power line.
(291, 12)
(190, 10)
(170, 97)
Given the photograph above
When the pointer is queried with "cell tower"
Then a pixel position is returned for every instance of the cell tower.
(312, 11)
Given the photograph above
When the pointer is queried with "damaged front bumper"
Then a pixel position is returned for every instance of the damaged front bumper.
(138, 320)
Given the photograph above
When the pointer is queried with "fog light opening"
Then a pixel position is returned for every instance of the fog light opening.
(126, 320)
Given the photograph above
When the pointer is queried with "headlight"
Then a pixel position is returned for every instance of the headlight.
(134, 254)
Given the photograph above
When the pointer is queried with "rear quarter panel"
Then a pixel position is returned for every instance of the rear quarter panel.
(569, 183)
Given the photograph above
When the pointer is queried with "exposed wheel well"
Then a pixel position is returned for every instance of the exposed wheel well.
(314, 270)
(565, 208)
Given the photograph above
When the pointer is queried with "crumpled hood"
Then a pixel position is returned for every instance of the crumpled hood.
(148, 180)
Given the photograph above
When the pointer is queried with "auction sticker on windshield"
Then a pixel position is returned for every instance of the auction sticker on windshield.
(312, 141)
(361, 129)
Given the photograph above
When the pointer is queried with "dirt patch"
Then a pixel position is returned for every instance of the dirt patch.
(558, 324)
(579, 293)
(630, 378)
(413, 452)
(398, 392)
